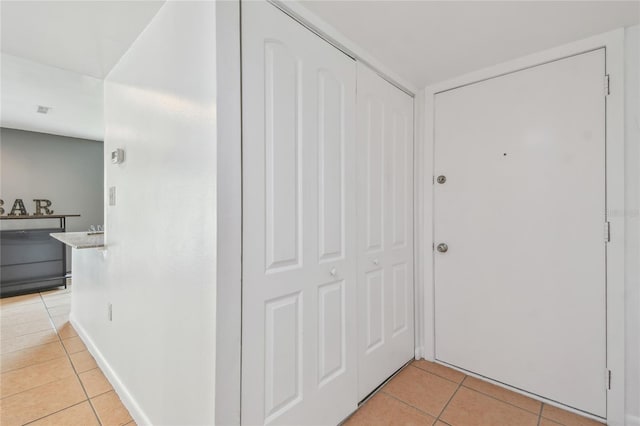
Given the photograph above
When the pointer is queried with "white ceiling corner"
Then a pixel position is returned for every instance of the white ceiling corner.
(426, 42)
(57, 53)
(86, 37)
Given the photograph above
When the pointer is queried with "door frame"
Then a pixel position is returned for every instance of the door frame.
(613, 43)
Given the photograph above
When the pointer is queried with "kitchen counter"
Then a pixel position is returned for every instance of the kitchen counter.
(81, 240)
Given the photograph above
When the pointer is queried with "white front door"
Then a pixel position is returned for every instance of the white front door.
(299, 231)
(385, 230)
(520, 293)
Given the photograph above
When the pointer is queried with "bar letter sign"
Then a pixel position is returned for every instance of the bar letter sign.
(18, 209)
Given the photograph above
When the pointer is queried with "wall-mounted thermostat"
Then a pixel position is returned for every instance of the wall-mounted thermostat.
(117, 156)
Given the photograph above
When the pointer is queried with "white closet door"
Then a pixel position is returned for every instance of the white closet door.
(385, 230)
(520, 293)
(299, 251)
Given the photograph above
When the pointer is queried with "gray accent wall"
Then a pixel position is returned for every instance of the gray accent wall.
(67, 171)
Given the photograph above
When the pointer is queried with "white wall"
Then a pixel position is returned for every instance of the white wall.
(632, 223)
(159, 267)
(66, 171)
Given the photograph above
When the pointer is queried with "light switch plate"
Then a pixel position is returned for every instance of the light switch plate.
(112, 196)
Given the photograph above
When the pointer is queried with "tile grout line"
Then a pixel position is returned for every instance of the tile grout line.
(540, 413)
(72, 366)
(101, 393)
(438, 375)
(66, 355)
(51, 323)
(22, 322)
(405, 403)
(51, 414)
(382, 390)
(461, 383)
(39, 385)
(33, 365)
(38, 363)
(503, 401)
(28, 347)
(376, 391)
(27, 334)
(450, 399)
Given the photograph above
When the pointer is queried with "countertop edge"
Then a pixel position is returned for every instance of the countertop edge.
(80, 240)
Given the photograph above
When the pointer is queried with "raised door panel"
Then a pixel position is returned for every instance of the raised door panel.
(299, 257)
(373, 328)
(331, 166)
(401, 289)
(374, 157)
(332, 332)
(282, 157)
(385, 255)
(400, 174)
(283, 354)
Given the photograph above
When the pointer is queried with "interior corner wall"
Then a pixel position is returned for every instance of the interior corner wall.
(229, 207)
(67, 171)
(158, 270)
(632, 223)
(422, 225)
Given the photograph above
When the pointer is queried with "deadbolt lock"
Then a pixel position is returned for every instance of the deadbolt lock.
(442, 248)
(441, 179)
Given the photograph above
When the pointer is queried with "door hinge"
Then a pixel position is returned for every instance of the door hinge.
(609, 379)
(433, 180)
(607, 89)
(607, 232)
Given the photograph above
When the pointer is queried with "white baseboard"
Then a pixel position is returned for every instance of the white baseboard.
(136, 411)
(125, 396)
(632, 420)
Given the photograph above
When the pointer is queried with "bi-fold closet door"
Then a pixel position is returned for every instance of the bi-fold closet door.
(385, 229)
(307, 276)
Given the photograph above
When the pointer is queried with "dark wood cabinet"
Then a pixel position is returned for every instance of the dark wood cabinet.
(31, 260)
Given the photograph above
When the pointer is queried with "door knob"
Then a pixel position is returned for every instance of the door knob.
(442, 248)
(441, 179)
(375, 262)
(333, 272)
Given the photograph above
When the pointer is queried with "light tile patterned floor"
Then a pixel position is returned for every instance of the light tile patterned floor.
(47, 376)
(425, 393)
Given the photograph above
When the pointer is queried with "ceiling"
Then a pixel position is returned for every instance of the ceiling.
(426, 42)
(57, 53)
(75, 99)
(86, 37)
